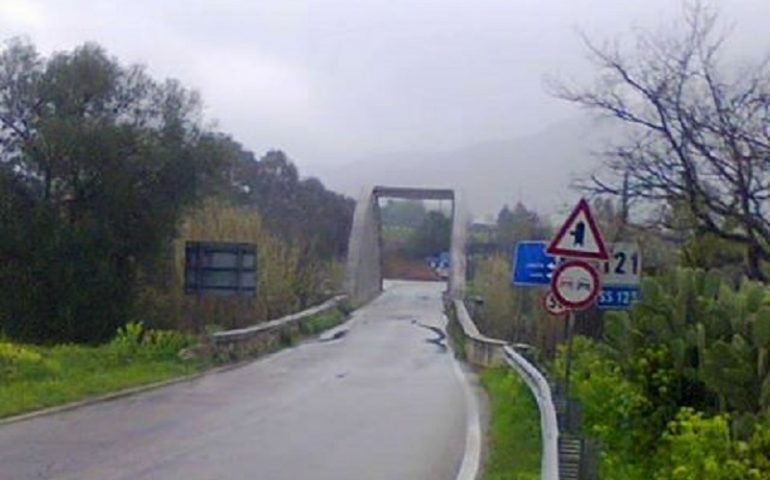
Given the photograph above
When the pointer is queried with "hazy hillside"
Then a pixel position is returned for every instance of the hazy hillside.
(536, 169)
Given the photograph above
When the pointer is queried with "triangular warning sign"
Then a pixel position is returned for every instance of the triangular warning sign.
(579, 237)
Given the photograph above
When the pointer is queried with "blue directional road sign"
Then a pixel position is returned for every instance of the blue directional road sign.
(532, 266)
(618, 297)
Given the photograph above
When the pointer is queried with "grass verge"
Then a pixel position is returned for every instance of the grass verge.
(50, 376)
(322, 321)
(35, 377)
(455, 331)
(514, 433)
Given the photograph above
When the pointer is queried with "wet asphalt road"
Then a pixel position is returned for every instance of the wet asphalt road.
(382, 401)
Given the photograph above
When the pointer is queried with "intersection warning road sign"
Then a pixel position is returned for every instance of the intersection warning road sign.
(579, 237)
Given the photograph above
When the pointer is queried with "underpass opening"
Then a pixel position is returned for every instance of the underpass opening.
(366, 260)
(415, 239)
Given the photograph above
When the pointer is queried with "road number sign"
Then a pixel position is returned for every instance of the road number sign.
(618, 297)
(552, 305)
(576, 284)
(624, 266)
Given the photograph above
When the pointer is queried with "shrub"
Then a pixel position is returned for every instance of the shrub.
(697, 447)
(17, 361)
(165, 343)
(614, 410)
(133, 340)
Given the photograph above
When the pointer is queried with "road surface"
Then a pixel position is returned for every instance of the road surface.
(381, 400)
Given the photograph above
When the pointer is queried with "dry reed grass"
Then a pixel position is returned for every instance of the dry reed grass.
(288, 279)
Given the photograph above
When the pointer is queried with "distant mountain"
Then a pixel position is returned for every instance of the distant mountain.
(535, 169)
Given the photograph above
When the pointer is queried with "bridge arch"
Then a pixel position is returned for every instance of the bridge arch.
(363, 278)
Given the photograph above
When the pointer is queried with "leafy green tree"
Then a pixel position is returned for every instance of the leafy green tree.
(403, 213)
(301, 211)
(432, 236)
(98, 160)
(519, 224)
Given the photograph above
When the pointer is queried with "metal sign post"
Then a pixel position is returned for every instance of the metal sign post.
(576, 283)
(568, 362)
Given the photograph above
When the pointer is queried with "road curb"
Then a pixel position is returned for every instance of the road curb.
(471, 465)
(127, 392)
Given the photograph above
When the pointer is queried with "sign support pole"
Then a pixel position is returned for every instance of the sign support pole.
(568, 362)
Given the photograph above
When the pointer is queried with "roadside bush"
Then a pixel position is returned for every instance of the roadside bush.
(17, 361)
(680, 388)
(133, 340)
(128, 339)
(697, 447)
(614, 410)
(165, 343)
(689, 446)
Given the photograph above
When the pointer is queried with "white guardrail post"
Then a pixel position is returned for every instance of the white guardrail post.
(548, 422)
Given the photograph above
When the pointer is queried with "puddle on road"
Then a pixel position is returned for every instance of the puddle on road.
(440, 338)
(336, 336)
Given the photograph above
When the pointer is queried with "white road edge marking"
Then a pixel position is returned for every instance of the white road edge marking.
(471, 464)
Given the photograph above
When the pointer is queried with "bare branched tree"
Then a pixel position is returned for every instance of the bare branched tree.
(697, 132)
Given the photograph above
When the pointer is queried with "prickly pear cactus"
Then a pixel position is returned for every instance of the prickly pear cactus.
(717, 335)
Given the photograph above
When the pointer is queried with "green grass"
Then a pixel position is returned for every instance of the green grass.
(455, 332)
(323, 321)
(514, 433)
(35, 377)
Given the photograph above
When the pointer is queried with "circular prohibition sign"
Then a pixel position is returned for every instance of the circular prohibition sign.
(552, 305)
(576, 284)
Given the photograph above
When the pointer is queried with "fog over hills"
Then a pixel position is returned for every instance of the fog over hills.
(535, 169)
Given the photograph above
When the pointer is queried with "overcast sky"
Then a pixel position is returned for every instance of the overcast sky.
(332, 80)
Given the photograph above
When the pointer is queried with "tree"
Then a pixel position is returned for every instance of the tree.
(298, 210)
(519, 224)
(403, 213)
(432, 236)
(696, 134)
(97, 162)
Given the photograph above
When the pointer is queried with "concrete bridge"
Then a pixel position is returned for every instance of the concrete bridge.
(364, 267)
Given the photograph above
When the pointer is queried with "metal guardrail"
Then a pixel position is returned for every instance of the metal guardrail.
(484, 351)
(549, 426)
(479, 349)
